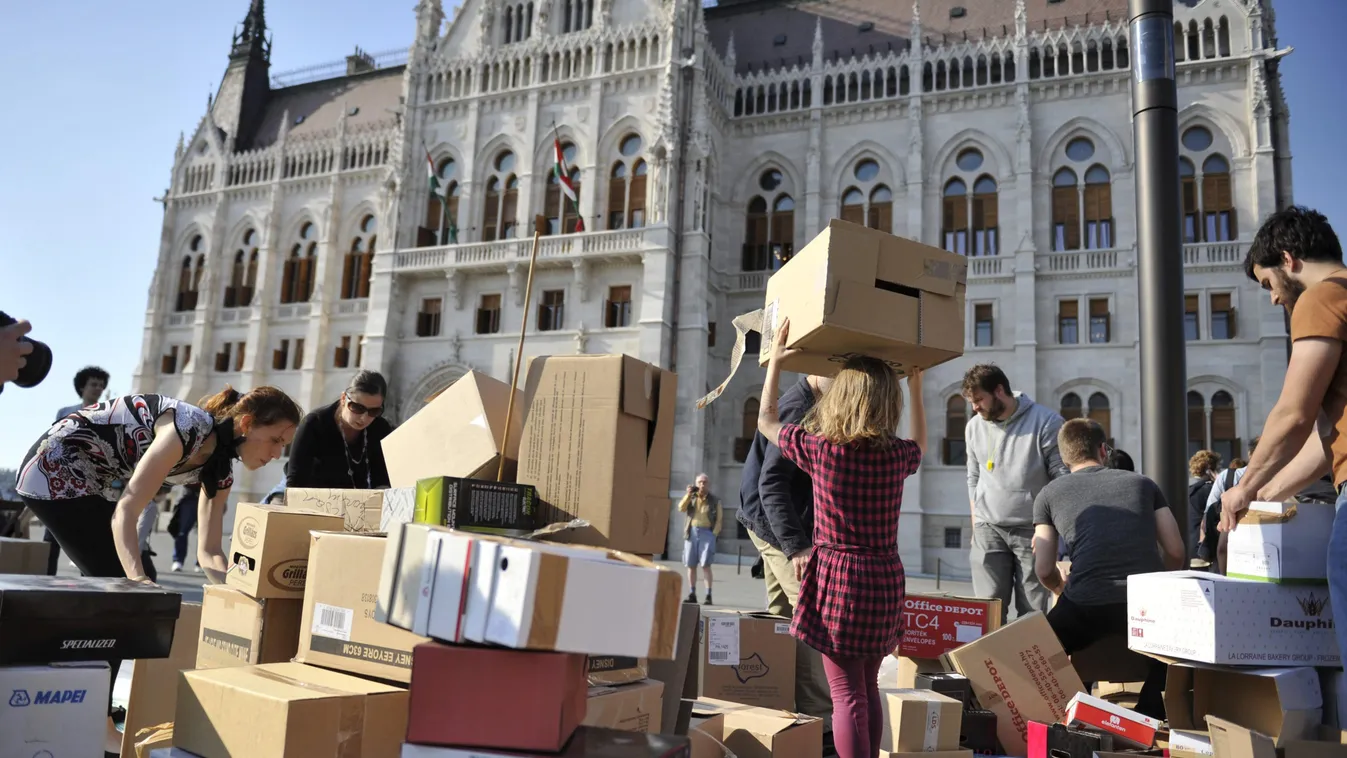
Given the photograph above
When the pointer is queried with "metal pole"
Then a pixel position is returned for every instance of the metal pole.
(1155, 131)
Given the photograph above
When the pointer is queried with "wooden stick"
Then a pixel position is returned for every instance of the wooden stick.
(538, 223)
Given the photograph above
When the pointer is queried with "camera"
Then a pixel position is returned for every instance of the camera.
(38, 362)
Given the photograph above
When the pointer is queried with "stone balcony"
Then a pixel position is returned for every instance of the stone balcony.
(622, 245)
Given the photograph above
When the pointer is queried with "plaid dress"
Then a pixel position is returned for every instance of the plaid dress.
(851, 597)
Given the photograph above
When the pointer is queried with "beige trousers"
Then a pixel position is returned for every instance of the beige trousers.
(812, 697)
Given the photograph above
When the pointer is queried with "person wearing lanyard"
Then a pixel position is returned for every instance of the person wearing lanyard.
(339, 446)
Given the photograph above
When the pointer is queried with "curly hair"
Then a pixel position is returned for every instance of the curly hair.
(1204, 463)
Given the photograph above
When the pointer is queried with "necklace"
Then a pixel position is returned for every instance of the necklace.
(352, 461)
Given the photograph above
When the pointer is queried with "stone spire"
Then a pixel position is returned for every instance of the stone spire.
(730, 57)
(251, 39)
(818, 40)
(1021, 19)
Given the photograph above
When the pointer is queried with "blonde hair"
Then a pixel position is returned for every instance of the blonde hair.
(864, 403)
(1204, 462)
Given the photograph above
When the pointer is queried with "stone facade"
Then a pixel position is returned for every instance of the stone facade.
(305, 242)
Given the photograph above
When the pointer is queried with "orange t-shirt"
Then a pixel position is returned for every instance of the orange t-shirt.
(1322, 312)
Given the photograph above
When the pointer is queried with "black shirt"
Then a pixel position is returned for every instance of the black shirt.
(776, 498)
(320, 457)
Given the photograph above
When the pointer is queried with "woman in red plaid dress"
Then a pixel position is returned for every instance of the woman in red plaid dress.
(851, 588)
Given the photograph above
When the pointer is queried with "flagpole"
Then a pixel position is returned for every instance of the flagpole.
(538, 222)
(559, 161)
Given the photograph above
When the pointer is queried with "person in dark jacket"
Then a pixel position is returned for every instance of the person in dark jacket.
(339, 446)
(1204, 467)
(776, 505)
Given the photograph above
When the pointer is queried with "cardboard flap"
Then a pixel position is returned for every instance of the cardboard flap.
(639, 382)
(892, 314)
(1229, 740)
(762, 721)
(659, 454)
(922, 267)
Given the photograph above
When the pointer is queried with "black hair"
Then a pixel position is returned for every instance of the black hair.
(85, 374)
(1303, 233)
(1120, 460)
(986, 377)
(369, 383)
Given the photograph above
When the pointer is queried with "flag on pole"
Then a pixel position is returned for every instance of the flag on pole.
(563, 174)
(438, 190)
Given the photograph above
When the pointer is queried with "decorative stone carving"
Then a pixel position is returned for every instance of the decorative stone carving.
(581, 339)
(455, 348)
(454, 281)
(581, 270)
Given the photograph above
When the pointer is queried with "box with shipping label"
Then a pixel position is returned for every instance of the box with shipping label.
(237, 629)
(269, 552)
(854, 291)
(612, 670)
(935, 624)
(628, 707)
(1198, 616)
(749, 658)
(287, 710)
(338, 629)
(478, 505)
(753, 732)
(70, 619)
(1283, 703)
(1020, 673)
(1124, 724)
(154, 681)
(598, 443)
(58, 710)
(1285, 543)
(1189, 744)
(917, 721)
(23, 556)
(459, 432)
(550, 688)
(361, 510)
(399, 508)
(588, 742)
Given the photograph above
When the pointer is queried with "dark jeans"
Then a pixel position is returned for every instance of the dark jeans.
(1079, 626)
(83, 528)
(186, 523)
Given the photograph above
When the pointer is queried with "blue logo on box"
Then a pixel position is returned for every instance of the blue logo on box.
(20, 698)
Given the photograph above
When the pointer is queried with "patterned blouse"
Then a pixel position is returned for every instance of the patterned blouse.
(91, 451)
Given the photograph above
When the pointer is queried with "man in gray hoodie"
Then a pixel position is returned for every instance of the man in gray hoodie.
(1012, 454)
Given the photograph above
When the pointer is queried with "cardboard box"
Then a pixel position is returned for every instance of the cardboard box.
(707, 733)
(1331, 743)
(588, 742)
(269, 553)
(1189, 744)
(237, 630)
(1021, 674)
(461, 587)
(1285, 543)
(1126, 725)
(978, 732)
(935, 624)
(287, 710)
(478, 505)
(72, 619)
(857, 291)
(23, 556)
(613, 670)
(679, 676)
(154, 681)
(461, 432)
(909, 668)
(748, 658)
(58, 710)
(150, 739)
(1061, 741)
(753, 732)
(628, 707)
(1284, 703)
(338, 629)
(399, 508)
(1230, 740)
(597, 444)
(361, 510)
(1197, 616)
(919, 721)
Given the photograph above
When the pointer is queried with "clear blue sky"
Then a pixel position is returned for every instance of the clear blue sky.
(94, 95)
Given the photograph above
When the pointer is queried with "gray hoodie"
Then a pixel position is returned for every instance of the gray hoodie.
(1024, 458)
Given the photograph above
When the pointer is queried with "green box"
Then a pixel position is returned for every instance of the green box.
(477, 505)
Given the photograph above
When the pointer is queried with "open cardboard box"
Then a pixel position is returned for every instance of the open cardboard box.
(1285, 704)
(460, 432)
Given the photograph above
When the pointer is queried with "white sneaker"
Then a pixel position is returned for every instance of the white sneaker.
(177, 566)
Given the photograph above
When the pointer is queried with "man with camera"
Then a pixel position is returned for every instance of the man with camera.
(700, 533)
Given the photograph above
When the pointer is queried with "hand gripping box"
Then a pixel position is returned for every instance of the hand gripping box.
(1283, 543)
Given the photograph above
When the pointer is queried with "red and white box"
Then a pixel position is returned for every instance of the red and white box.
(1127, 725)
(936, 624)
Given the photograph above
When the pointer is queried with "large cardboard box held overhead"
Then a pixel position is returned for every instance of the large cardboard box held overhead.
(1283, 703)
(597, 444)
(748, 658)
(361, 510)
(1283, 543)
(460, 432)
(857, 291)
(269, 552)
(237, 630)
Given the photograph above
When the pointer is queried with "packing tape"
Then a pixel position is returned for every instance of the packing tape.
(743, 324)
(931, 738)
(1263, 517)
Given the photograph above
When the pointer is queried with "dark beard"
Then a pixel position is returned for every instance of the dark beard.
(1293, 290)
(994, 413)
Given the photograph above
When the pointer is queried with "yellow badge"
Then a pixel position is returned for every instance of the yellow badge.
(990, 465)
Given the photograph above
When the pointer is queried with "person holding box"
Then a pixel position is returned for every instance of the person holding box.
(852, 584)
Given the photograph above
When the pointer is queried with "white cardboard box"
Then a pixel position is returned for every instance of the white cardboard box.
(1197, 616)
(58, 710)
(1285, 543)
(399, 508)
(1283, 703)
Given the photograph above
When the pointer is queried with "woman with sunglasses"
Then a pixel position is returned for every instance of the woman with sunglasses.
(339, 446)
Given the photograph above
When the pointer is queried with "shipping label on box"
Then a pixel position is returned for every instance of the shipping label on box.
(478, 505)
(918, 721)
(1208, 618)
(361, 510)
(237, 630)
(935, 624)
(1125, 724)
(58, 710)
(269, 552)
(1285, 543)
(459, 432)
(749, 658)
(1284, 703)
(628, 707)
(23, 556)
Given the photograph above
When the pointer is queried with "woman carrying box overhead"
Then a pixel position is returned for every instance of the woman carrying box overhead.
(852, 585)
(340, 446)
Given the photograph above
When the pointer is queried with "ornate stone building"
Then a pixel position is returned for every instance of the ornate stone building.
(301, 239)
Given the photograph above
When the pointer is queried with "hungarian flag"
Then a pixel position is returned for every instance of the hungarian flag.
(563, 173)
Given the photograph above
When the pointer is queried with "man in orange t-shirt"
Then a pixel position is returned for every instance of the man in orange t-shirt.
(1297, 257)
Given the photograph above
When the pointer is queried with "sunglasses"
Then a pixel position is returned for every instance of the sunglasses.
(361, 410)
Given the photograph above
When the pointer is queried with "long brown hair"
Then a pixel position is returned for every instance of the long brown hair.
(863, 404)
(266, 406)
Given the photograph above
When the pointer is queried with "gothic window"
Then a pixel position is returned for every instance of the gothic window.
(1207, 196)
(1213, 428)
(769, 236)
(502, 200)
(189, 279)
(969, 220)
(359, 261)
(1082, 211)
(1197, 423)
(562, 213)
(300, 268)
(442, 207)
(626, 186)
(1099, 413)
(576, 15)
(518, 22)
(1071, 407)
(954, 451)
(868, 202)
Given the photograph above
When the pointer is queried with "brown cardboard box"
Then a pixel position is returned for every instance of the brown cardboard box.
(269, 553)
(288, 710)
(920, 721)
(237, 630)
(935, 624)
(1285, 704)
(1021, 674)
(707, 733)
(153, 738)
(628, 708)
(361, 509)
(908, 668)
(752, 732)
(858, 291)
(154, 682)
(459, 433)
(1330, 742)
(597, 444)
(612, 670)
(748, 658)
(338, 629)
(23, 556)
(1230, 740)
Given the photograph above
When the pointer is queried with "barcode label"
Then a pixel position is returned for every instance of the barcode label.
(783, 628)
(718, 656)
(331, 621)
(722, 642)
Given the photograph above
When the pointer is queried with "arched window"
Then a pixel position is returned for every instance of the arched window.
(1098, 209)
(355, 273)
(1188, 190)
(300, 268)
(442, 207)
(1071, 406)
(1100, 414)
(242, 273)
(626, 186)
(1197, 423)
(502, 200)
(576, 15)
(560, 205)
(868, 202)
(184, 300)
(1218, 206)
(1082, 211)
(748, 426)
(1207, 197)
(518, 22)
(189, 280)
(954, 450)
(1224, 438)
(769, 238)
(970, 220)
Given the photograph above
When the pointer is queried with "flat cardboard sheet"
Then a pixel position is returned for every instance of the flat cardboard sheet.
(154, 681)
